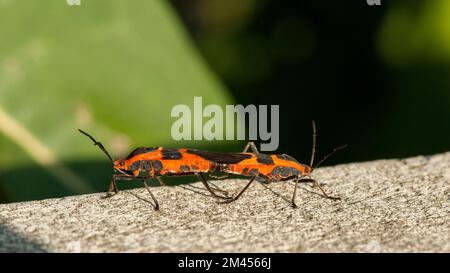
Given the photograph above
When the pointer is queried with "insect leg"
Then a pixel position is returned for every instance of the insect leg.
(216, 188)
(241, 192)
(161, 182)
(323, 191)
(295, 192)
(113, 186)
(156, 205)
(203, 180)
(317, 184)
(251, 145)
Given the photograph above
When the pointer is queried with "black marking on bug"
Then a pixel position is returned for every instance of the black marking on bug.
(276, 171)
(157, 166)
(135, 166)
(253, 172)
(245, 170)
(185, 168)
(287, 157)
(264, 159)
(141, 150)
(283, 172)
(286, 172)
(146, 165)
(221, 158)
(170, 154)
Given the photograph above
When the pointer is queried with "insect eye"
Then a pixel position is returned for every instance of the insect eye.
(122, 163)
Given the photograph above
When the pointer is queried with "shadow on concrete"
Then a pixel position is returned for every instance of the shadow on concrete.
(10, 241)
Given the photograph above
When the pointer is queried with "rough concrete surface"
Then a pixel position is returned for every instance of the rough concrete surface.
(386, 206)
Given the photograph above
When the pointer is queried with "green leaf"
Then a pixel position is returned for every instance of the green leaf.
(112, 68)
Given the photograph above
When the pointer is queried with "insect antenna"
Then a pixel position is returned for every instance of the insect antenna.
(329, 154)
(314, 140)
(314, 145)
(99, 144)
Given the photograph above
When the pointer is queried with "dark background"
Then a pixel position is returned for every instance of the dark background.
(354, 68)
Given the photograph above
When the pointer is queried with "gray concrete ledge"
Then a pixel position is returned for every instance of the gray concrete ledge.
(386, 206)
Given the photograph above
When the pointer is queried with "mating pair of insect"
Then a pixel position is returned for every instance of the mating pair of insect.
(145, 163)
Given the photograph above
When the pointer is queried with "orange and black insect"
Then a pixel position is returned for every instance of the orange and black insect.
(145, 163)
(271, 167)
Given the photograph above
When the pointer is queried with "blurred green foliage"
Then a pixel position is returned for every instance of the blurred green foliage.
(113, 68)
(416, 33)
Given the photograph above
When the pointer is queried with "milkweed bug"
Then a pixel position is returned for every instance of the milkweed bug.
(273, 167)
(145, 163)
